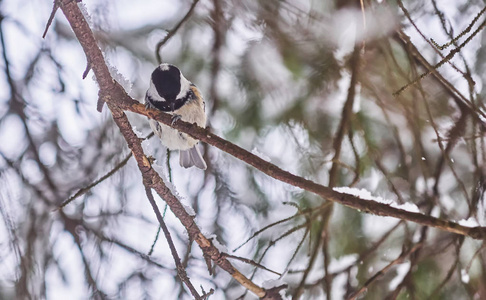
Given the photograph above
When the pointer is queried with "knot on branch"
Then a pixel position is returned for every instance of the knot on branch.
(274, 293)
(478, 233)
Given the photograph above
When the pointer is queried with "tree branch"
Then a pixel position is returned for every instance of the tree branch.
(180, 269)
(368, 206)
(114, 95)
(171, 32)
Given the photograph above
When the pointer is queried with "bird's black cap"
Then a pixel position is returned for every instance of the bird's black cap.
(167, 81)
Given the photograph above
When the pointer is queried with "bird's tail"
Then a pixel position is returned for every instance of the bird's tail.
(192, 157)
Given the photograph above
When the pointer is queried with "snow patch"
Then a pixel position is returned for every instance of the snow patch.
(149, 149)
(214, 239)
(471, 222)
(122, 80)
(84, 11)
(464, 276)
(137, 132)
(273, 283)
(343, 262)
(366, 195)
(406, 206)
(435, 211)
(189, 210)
(402, 270)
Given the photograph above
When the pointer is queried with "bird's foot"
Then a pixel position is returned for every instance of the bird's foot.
(175, 118)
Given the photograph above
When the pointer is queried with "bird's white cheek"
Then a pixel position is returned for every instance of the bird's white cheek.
(152, 92)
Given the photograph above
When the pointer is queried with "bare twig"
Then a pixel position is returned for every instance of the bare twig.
(87, 188)
(181, 271)
(155, 241)
(55, 7)
(380, 273)
(251, 262)
(468, 28)
(171, 32)
(446, 59)
(263, 229)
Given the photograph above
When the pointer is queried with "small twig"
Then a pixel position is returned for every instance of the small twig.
(448, 276)
(206, 295)
(87, 188)
(85, 73)
(169, 169)
(380, 273)
(180, 269)
(474, 256)
(442, 62)
(294, 255)
(263, 229)
(51, 17)
(363, 13)
(313, 256)
(155, 241)
(125, 247)
(251, 262)
(442, 47)
(171, 32)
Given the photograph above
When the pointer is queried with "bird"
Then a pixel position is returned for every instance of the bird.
(171, 92)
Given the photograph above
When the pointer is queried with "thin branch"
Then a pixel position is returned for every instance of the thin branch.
(380, 273)
(263, 229)
(55, 7)
(294, 255)
(447, 58)
(368, 206)
(454, 40)
(155, 241)
(344, 124)
(171, 32)
(181, 271)
(87, 188)
(251, 262)
(125, 247)
(313, 256)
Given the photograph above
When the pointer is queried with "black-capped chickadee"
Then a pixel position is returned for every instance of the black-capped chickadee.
(171, 92)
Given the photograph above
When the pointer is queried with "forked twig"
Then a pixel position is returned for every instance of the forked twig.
(171, 32)
(87, 188)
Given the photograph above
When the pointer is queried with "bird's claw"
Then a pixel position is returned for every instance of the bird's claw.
(175, 118)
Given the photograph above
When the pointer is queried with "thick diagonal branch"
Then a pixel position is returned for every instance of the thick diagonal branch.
(114, 95)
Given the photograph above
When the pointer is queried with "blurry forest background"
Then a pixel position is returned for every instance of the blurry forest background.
(324, 89)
